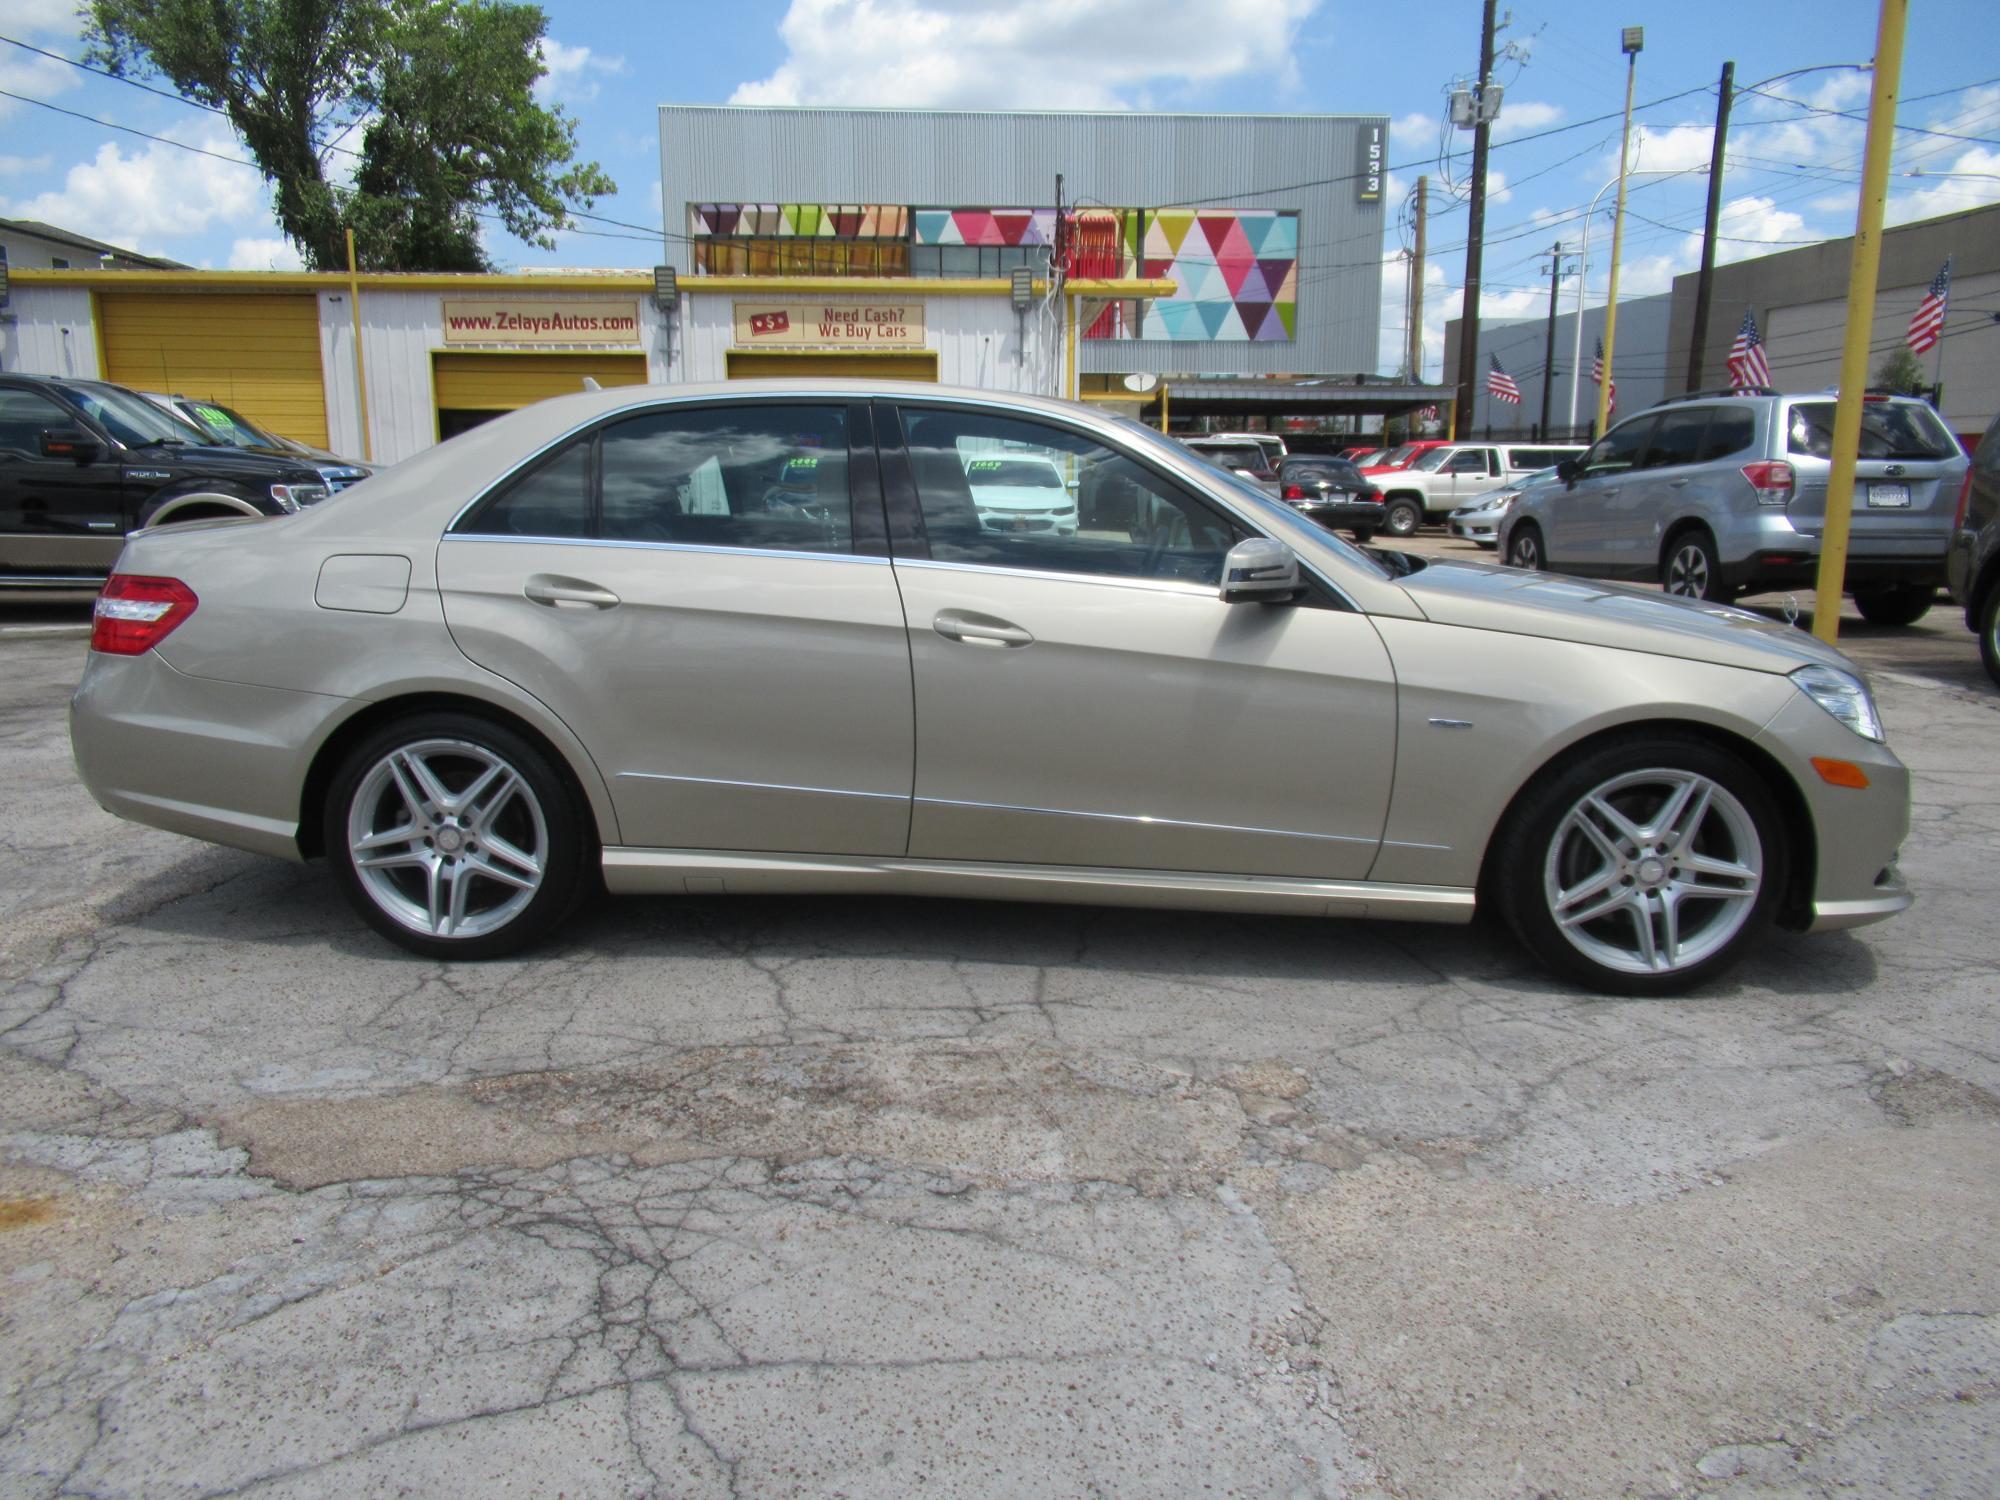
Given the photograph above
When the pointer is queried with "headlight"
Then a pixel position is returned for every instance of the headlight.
(1843, 695)
(293, 498)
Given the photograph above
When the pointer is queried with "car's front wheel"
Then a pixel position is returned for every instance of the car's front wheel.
(1643, 867)
(1402, 517)
(1524, 547)
(455, 837)
(1899, 604)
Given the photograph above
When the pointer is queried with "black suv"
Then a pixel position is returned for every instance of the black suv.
(1974, 559)
(82, 462)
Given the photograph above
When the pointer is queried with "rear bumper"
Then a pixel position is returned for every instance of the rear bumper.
(220, 761)
(1345, 515)
(1797, 567)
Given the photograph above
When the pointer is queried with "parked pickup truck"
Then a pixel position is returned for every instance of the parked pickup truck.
(1446, 477)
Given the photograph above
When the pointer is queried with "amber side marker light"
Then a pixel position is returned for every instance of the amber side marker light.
(1840, 772)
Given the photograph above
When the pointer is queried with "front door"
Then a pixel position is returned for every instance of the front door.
(694, 590)
(1583, 519)
(1087, 699)
(58, 516)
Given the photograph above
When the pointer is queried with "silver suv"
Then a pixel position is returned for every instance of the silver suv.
(1722, 493)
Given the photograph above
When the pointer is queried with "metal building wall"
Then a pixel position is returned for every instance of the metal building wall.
(52, 333)
(741, 154)
(1640, 360)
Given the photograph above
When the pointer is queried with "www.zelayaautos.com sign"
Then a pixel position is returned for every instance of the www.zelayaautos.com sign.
(519, 320)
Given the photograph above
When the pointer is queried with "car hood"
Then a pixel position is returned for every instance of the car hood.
(1487, 597)
(204, 458)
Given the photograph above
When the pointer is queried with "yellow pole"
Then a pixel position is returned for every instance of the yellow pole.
(1617, 245)
(1163, 405)
(360, 374)
(1861, 276)
(1072, 380)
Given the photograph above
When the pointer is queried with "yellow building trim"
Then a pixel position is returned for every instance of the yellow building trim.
(633, 281)
(97, 335)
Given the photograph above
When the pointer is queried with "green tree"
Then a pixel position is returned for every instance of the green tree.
(1901, 372)
(430, 103)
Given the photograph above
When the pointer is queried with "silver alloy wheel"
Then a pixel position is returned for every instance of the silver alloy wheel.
(1654, 871)
(1523, 551)
(447, 838)
(1687, 571)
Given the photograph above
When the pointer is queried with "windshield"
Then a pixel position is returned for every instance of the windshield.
(1396, 455)
(1277, 519)
(133, 420)
(1889, 429)
(221, 425)
(1433, 458)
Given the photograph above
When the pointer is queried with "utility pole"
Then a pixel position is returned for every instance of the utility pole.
(1549, 353)
(1697, 345)
(1417, 289)
(1475, 235)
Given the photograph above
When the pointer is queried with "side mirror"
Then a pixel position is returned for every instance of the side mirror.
(1260, 571)
(69, 442)
(1566, 472)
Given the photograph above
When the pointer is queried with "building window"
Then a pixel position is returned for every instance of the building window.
(57, 263)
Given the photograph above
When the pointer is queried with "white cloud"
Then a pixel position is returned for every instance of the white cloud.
(1036, 54)
(1414, 132)
(1519, 116)
(12, 164)
(252, 254)
(1496, 187)
(570, 69)
(23, 72)
(159, 194)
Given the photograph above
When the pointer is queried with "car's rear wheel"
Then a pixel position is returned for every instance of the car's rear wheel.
(1402, 517)
(1989, 632)
(455, 837)
(1899, 604)
(1643, 867)
(1691, 569)
(1524, 547)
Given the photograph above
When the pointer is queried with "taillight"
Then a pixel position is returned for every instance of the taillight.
(1294, 492)
(1964, 500)
(1772, 482)
(135, 613)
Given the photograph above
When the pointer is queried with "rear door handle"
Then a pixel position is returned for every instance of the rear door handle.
(979, 630)
(559, 593)
(1676, 483)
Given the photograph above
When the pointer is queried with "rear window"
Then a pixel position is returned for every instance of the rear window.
(1231, 455)
(1889, 429)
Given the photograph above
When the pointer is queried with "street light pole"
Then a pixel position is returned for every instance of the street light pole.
(1583, 276)
(1632, 40)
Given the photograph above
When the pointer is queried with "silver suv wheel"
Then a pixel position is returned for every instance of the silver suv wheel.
(1653, 872)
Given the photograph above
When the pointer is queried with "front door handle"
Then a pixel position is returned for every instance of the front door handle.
(979, 630)
(1676, 484)
(559, 593)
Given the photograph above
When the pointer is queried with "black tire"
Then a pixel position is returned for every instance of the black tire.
(1363, 535)
(1898, 604)
(471, 852)
(1524, 547)
(1535, 857)
(1690, 569)
(1402, 517)
(1989, 632)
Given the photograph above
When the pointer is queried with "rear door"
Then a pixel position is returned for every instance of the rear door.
(59, 516)
(1906, 477)
(723, 635)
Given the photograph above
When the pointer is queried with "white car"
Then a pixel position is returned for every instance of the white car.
(1020, 492)
(1480, 521)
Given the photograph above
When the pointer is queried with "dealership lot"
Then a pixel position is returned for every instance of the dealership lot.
(821, 1196)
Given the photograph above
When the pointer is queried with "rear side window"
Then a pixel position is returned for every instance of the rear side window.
(1676, 437)
(1889, 429)
(1531, 458)
(1731, 429)
(551, 499)
(23, 417)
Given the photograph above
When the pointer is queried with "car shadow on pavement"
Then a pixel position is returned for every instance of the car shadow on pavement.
(242, 900)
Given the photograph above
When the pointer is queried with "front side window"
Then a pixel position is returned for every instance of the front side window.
(1676, 437)
(1618, 450)
(1107, 515)
(24, 417)
(1471, 461)
(1435, 459)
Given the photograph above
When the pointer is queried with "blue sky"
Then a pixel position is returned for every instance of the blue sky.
(1792, 177)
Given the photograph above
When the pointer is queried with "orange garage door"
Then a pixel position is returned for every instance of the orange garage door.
(258, 352)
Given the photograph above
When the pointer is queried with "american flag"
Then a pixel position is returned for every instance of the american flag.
(1747, 365)
(1597, 374)
(1500, 385)
(1927, 322)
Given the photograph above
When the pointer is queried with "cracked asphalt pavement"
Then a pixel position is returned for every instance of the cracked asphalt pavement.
(819, 1197)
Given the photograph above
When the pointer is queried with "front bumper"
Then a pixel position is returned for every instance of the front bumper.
(1484, 530)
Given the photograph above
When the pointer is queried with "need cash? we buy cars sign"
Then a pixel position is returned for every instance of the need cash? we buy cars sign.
(829, 325)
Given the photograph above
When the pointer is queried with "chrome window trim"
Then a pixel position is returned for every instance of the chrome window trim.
(762, 786)
(591, 541)
(1153, 585)
(1065, 812)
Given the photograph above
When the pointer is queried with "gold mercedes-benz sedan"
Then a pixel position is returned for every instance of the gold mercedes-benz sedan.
(765, 637)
